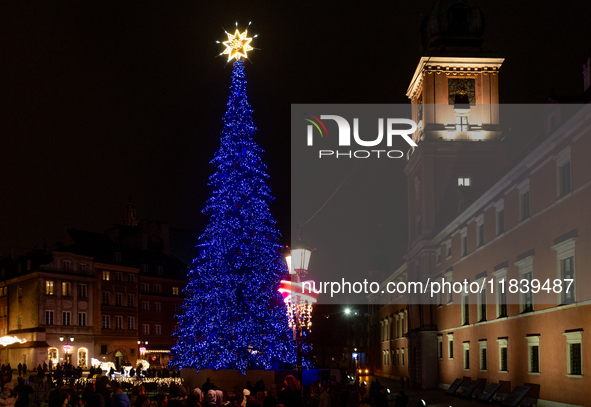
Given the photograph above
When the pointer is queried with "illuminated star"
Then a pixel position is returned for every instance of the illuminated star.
(237, 45)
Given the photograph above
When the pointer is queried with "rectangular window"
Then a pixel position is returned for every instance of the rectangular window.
(449, 292)
(118, 276)
(481, 302)
(157, 307)
(146, 329)
(82, 319)
(464, 181)
(145, 287)
(103, 349)
(66, 289)
(481, 235)
(48, 317)
(397, 357)
(502, 354)
(82, 267)
(106, 297)
(533, 353)
(131, 278)
(66, 318)
(440, 347)
(106, 322)
(524, 202)
(130, 300)
(568, 273)
(175, 291)
(118, 322)
(402, 355)
(450, 346)
(106, 276)
(501, 292)
(483, 356)
(118, 299)
(175, 308)
(131, 323)
(82, 291)
(574, 353)
(465, 309)
(117, 257)
(526, 297)
(466, 356)
(565, 179)
(49, 288)
(145, 268)
(157, 288)
(464, 246)
(157, 330)
(145, 306)
(159, 270)
(501, 222)
(448, 249)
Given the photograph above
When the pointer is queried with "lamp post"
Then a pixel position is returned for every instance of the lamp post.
(298, 262)
(67, 348)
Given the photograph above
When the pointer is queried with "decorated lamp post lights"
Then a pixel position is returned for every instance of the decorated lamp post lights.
(299, 304)
(67, 348)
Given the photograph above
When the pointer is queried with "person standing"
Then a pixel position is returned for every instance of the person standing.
(291, 394)
(24, 369)
(23, 390)
(20, 369)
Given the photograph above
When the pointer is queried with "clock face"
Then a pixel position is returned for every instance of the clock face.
(460, 86)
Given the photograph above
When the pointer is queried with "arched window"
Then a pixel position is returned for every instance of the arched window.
(53, 355)
(83, 357)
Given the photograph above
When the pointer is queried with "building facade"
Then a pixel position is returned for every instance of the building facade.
(513, 222)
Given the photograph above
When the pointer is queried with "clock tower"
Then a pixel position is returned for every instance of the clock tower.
(454, 94)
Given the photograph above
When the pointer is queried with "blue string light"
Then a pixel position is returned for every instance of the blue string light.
(233, 316)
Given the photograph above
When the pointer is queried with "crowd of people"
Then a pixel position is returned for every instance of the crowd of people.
(107, 392)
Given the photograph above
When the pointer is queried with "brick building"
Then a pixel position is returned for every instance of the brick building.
(487, 207)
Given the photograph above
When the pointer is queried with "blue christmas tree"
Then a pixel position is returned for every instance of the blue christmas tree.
(233, 316)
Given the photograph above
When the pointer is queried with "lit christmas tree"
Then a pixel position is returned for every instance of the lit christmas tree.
(233, 316)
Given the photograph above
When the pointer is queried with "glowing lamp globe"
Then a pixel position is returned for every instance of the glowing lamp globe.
(300, 259)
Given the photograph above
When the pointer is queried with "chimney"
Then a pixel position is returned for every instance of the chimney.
(587, 74)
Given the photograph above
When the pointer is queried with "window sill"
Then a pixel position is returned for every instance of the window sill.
(503, 371)
(466, 370)
(450, 303)
(450, 358)
(575, 376)
(482, 320)
(483, 371)
(533, 373)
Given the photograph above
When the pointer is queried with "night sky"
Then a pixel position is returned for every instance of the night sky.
(100, 103)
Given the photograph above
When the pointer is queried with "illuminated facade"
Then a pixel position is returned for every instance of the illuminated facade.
(480, 212)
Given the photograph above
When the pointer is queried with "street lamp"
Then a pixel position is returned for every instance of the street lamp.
(298, 262)
(67, 348)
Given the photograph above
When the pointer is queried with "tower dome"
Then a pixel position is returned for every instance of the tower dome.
(455, 26)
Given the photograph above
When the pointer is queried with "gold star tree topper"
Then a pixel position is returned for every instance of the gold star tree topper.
(237, 45)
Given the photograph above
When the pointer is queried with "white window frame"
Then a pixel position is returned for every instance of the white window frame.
(145, 306)
(106, 322)
(118, 299)
(157, 288)
(482, 347)
(130, 300)
(564, 250)
(106, 295)
(533, 341)
(82, 267)
(479, 223)
(397, 357)
(66, 317)
(49, 314)
(499, 207)
(573, 338)
(146, 329)
(118, 322)
(66, 289)
(500, 275)
(130, 323)
(466, 347)
(440, 347)
(525, 266)
(158, 307)
(448, 252)
(396, 326)
(523, 189)
(465, 300)
(402, 356)
(449, 295)
(82, 291)
(464, 241)
(450, 346)
(479, 295)
(562, 159)
(82, 321)
(405, 324)
(503, 344)
(49, 287)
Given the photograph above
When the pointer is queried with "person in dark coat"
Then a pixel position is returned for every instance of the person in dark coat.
(381, 398)
(24, 391)
(291, 394)
(20, 369)
(25, 369)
